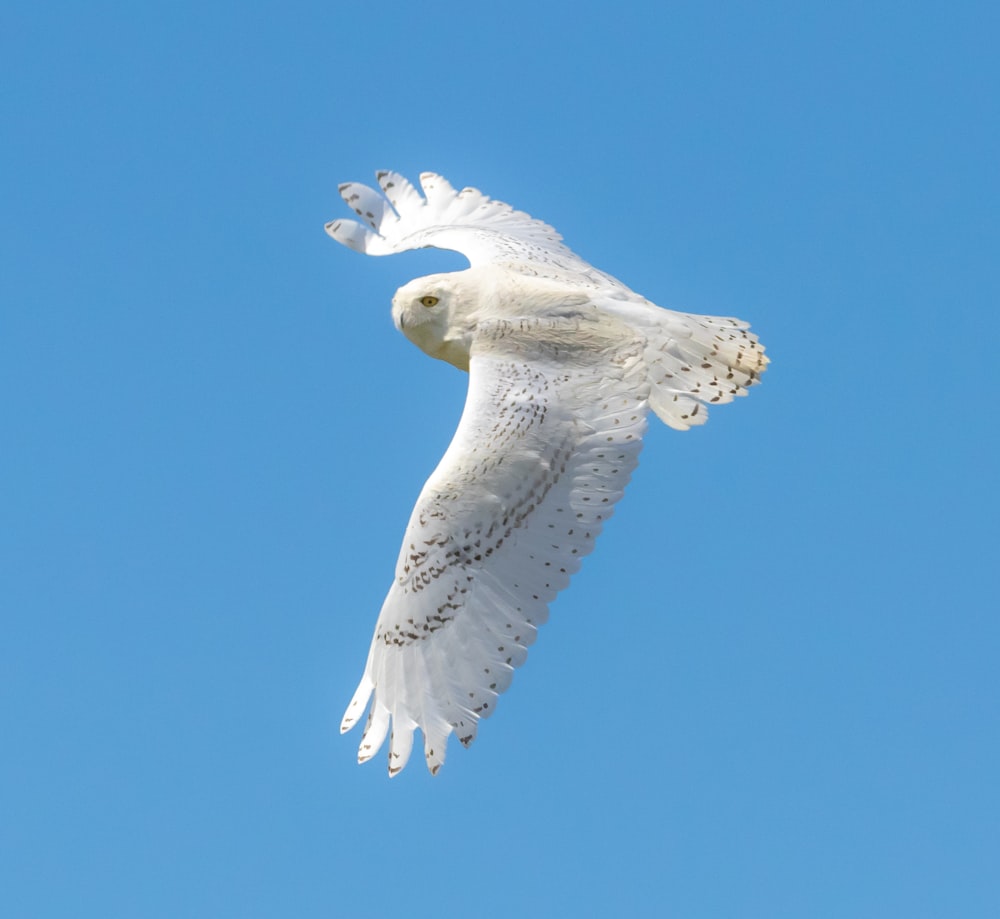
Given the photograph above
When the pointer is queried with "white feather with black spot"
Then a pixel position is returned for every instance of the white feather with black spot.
(564, 363)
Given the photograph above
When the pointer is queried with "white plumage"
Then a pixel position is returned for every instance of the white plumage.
(564, 362)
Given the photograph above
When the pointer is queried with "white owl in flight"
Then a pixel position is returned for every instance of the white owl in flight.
(564, 364)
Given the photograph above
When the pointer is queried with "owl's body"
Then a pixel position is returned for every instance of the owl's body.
(564, 364)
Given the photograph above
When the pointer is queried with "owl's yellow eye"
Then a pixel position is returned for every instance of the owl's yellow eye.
(429, 301)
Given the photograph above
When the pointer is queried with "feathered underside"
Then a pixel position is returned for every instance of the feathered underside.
(548, 440)
(565, 362)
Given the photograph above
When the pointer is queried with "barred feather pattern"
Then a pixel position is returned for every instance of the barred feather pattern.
(485, 231)
(564, 362)
(543, 452)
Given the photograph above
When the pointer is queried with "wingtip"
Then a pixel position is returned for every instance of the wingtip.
(350, 233)
(356, 706)
(352, 715)
(435, 748)
(400, 745)
(437, 189)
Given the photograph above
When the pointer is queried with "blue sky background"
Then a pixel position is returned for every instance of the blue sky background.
(772, 690)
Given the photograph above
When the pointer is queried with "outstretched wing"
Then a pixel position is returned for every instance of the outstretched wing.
(483, 230)
(550, 434)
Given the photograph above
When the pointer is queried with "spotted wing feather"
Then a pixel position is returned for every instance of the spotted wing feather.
(550, 434)
(694, 362)
(398, 218)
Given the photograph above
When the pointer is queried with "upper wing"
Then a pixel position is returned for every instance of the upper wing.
(550, 434)
(483, 230)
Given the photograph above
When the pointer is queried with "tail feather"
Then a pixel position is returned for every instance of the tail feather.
(698, 361)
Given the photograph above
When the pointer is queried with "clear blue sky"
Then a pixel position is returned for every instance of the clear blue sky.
(772, 690)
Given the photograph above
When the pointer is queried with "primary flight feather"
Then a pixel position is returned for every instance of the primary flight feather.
(564, 364)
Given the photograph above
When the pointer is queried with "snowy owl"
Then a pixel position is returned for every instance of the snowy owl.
(564, 364)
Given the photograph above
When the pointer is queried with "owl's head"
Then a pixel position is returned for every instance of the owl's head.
(437, 313)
